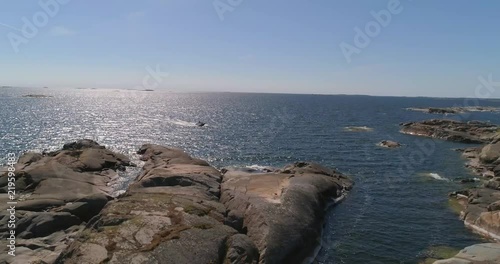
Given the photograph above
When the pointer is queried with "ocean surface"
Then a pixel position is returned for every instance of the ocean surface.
(397, 210)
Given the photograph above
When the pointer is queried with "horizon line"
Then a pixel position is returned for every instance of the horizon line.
(246, 92)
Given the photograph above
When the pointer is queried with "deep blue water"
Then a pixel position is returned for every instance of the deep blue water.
(394, 213)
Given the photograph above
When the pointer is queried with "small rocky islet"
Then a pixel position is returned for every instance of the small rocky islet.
(389, 144)
(36, 96)
(179, 209)
(480, 205)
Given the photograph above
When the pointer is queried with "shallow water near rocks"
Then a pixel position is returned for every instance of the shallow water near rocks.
(394, 214)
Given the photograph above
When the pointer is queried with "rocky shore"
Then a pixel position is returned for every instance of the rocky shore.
(481, 205)
(178, 210)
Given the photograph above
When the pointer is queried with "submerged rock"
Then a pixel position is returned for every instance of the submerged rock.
(467, 180)
(435, 253)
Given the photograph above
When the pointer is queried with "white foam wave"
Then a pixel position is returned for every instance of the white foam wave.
(182, 123)
(257, 167)
(358, 128)
(437, 176)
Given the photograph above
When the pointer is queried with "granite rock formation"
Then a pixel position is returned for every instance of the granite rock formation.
(451, 130)
(56, 194)
(182, 210)
(282, 211)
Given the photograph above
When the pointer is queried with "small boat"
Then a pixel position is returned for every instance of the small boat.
(200, 124)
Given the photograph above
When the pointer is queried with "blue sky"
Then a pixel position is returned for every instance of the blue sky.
(429, 48)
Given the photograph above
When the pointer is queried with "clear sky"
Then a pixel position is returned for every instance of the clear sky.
(429, 48)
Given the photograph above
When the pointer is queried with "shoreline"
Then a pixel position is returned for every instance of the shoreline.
(330, 206)
(478, 211)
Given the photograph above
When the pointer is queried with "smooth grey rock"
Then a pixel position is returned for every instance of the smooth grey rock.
(490, 153)
(488, 253)
(38, 204)
(389, 144)
(87, 207)
(282, 212)
(44, 224)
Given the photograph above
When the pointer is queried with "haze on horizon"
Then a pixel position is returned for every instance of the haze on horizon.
(423, 48)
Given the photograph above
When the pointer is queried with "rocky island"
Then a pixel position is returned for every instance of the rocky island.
(454, 110)
(178, 210)
(452, 130)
